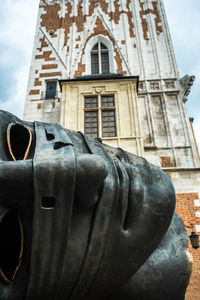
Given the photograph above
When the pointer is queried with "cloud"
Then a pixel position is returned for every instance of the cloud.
(15, 100)
(17, 21)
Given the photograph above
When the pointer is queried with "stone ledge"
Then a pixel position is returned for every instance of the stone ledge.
(174, 169)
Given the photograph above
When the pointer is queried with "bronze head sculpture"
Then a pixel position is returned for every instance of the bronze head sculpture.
(78, 218)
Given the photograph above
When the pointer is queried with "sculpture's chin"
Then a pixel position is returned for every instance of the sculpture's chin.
(11, 243)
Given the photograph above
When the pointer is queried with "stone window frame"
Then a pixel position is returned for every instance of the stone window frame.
(100, 109)
(91, 107)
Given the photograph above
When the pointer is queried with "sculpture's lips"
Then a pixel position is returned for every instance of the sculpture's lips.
(11, 243)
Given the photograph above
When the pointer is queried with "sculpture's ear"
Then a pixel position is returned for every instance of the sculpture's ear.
(19, 140)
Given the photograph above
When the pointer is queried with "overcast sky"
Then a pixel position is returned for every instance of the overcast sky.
(17, 23)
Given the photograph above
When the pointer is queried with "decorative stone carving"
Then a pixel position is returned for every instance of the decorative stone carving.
(78, 217)
(186, 82)
(154, 85)
(170, 84)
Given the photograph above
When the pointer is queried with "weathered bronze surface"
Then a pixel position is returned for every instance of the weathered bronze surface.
(81, 217)
(166, 273)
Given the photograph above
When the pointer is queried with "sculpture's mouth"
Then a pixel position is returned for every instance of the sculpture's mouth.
(11, 243)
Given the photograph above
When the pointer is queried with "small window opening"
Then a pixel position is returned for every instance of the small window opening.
(19, 140)
(100, 59)
(11, 245)
(48, 202)
(51, 89)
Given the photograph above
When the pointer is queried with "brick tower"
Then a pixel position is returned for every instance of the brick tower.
(107, 68)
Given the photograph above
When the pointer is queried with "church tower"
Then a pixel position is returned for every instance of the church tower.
(107, 68)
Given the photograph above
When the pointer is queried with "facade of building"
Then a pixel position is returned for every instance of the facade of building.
(107, 68)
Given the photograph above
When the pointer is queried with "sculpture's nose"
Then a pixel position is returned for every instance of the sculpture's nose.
(90, 175)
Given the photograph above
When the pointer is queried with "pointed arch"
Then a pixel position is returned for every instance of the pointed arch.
(99, 56)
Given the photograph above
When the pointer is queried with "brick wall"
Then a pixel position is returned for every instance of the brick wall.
(166, 162)
(64, 36)
(188, 207)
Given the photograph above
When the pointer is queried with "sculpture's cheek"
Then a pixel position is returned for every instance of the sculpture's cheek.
(146, 211)
(150, 206)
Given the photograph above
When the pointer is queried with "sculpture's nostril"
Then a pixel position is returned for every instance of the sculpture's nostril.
(11, 243)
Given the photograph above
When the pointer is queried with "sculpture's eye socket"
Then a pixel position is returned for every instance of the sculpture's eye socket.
(11, 244)
(19, 140)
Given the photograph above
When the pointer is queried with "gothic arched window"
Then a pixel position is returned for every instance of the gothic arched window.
(99, 59)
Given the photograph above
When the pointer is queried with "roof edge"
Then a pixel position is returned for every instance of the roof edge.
(99, 77)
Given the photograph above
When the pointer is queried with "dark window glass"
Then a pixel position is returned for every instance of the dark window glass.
(99, 55)
(104, 63)
(103, 46)
(91, 123)
(50, 89)
(108, 123)
(90, 102)
(107, 101)
(95, 47)
(95, 63)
